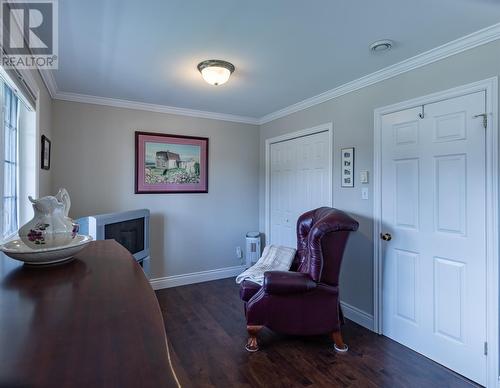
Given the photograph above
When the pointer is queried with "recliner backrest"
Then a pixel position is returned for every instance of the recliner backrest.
(321, 238)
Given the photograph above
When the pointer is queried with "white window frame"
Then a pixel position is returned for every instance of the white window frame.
(29, 79)
(2, 160)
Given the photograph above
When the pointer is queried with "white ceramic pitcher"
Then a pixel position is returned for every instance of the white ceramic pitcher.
(50, 227)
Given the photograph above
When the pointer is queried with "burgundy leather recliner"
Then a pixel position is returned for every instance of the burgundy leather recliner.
(304, 300)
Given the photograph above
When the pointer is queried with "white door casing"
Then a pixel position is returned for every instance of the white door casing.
(436, 281)
(298, 179)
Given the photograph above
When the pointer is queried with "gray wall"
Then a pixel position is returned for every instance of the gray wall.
(352, 117)
(44, 124)
(44, 127)
(93, 155)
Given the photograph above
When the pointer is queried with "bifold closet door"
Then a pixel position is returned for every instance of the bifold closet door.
(299, 181)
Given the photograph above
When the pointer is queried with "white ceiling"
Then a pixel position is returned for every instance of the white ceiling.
(284, 51)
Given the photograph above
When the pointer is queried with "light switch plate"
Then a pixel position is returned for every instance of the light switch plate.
(364, 193)
(363, 176)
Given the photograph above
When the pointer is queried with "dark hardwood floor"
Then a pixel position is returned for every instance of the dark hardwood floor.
(207, 333)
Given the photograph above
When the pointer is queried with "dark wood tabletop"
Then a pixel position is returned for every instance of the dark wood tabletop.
(92, 322)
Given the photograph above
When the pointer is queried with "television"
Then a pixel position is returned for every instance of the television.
(129, 228)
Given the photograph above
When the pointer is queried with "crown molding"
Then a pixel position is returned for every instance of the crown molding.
(49, 81)
(456, 46)
(56, 94)
(85, 98)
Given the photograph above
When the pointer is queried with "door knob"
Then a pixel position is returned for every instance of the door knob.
(386, 236)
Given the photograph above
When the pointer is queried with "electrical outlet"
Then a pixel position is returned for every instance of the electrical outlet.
(239, 255)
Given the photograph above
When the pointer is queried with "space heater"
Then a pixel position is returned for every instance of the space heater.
(253, 248)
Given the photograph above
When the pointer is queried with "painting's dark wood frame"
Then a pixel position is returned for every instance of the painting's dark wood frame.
(137, 191)
(42, 152)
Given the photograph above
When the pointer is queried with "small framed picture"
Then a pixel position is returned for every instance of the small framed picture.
(347, 166)
(45, 160)
(170, 163)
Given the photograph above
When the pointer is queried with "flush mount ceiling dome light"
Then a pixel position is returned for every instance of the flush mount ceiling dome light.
(381, 45)
(215, 71)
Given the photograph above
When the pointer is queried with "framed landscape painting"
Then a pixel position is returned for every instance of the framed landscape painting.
(170, 163)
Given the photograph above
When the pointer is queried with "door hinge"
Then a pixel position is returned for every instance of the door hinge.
(486, 348)
(485, 119)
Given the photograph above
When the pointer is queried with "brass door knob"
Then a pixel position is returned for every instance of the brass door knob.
(386, 236)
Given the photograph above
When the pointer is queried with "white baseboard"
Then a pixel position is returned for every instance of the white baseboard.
(353, 313)
(356, 315)
(196, 277)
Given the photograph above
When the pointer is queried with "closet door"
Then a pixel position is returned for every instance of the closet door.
(299, 181)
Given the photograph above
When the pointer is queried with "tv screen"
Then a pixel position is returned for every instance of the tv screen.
(129, 233)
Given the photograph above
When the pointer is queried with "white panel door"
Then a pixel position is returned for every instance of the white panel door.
(299, 181)
(433, 206)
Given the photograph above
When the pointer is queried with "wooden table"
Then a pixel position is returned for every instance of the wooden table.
(93, 322)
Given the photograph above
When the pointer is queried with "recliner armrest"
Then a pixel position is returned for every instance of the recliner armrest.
(285, 282)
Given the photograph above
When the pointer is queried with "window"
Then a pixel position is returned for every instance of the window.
(9, 184)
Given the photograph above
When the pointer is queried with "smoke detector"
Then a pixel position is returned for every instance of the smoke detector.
(381, 45)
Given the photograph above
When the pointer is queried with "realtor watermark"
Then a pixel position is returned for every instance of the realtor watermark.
(29, 34)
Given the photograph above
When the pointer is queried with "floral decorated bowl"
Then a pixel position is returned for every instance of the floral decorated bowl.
(18, 250)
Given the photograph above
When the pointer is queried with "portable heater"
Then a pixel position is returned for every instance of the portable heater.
(253, 248)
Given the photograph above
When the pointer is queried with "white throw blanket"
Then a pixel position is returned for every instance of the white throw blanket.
(274, 258)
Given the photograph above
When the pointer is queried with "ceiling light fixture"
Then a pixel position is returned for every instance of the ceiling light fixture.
(215, 72)
(381, 45)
